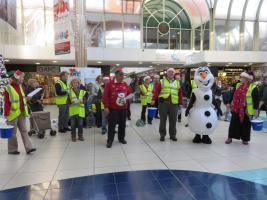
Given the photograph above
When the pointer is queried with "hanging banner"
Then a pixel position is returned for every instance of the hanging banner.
(62, 26)
(8, 12)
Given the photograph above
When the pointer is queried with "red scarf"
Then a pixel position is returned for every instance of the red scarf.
(239, 101)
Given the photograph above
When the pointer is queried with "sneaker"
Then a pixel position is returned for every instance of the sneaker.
(31, 150)
(109, 145)
(245, 142)
(228, 141)
(14, 153)
(123, 141)
(162, 139)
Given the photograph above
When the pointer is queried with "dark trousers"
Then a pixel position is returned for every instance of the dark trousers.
(63, 116)
(129, 110)
(143, 113)
(116, 116)
(167, 110)
(157, 106)
(76, 122)
(180, 116)
(98, 115)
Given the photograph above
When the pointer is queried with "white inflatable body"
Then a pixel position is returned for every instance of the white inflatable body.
(202, 117)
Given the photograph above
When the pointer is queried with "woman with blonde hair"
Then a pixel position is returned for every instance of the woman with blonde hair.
(244, 107)
(77, 99)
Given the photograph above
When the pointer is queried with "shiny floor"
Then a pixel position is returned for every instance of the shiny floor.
(58, 158)
(143, 185)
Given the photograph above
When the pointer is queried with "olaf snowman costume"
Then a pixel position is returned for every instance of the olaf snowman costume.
(203, 118)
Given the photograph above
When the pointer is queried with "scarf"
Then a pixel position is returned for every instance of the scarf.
(239, 101)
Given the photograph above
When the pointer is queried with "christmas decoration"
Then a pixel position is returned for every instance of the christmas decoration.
(3, 83)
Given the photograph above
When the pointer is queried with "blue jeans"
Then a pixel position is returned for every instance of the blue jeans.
(104, 120)
(76, 122)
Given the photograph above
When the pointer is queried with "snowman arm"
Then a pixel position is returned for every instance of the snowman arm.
(191, 104)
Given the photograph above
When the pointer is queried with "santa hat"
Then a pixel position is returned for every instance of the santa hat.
(170, 70)
(18, 75)
(106, 78)
(119, 71)
(247, 75)
(146, 77)
(156, 76)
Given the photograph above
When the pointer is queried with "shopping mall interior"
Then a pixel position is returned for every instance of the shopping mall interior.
(133, 68)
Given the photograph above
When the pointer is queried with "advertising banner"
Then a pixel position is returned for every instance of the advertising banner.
(62, 26)
(87, 75)
(8, 12)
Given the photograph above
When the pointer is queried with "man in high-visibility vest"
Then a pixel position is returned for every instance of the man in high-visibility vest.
(77, 98)
(169, 94)
(16, 111)
(62, 90)
(146, 93)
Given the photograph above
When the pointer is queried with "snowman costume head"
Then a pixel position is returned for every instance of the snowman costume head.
(204, 78)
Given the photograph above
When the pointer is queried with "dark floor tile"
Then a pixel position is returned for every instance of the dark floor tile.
(174, 194)
(134, 187)
(144, 196)
(171, 183)
(162, 174)
(204, 193)
(190, 181)
(104, 179)
(182, 173)
(257, 196)
(245, 187)
(12, 193)
(136, 176)
(32, 195)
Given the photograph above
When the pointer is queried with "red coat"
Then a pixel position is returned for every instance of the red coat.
(111, 92)
(7, 100)
(157, 90)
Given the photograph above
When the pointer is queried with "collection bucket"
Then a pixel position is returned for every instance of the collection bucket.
(257, 124)
(6, 131)
(152, 112)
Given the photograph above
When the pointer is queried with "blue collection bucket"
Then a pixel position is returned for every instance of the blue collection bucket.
(152, 112)
(6, 131)
(257, 124)
(88, 106)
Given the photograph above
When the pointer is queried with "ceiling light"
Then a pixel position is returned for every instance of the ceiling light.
(227, 65)
(230, 63)
(37, 63)
(140, 63)
(245, 65)
(250, 63)
(99, 62)
(117, 64)
(6, 60)
(151, 66)
(54, 61)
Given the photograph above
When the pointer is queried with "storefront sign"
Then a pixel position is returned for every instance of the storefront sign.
(48, 69)
(62, 26)
(86, 75)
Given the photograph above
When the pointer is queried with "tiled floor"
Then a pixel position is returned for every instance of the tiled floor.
(58, 158)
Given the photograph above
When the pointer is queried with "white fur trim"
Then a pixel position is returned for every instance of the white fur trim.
(171, 69)
(246, 75)
(147, 77)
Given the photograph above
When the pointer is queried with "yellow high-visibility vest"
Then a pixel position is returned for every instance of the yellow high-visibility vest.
(170, 89)
(148, 92)
(249, 101)
(15, 103)
(62, 100)
(77, 108)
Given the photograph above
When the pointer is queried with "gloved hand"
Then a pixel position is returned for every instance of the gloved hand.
(220, 112)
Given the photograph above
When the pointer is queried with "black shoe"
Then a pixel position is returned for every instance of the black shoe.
(206, 139)
(67, 129)
(129, 118)
(31, 150)
(109, 145)
(149, 122)
(173, 139)
(162, 139)
(179, 121)
(14, 153)
(123, 141)
(61, 131)
(197, 139)
(186, 125)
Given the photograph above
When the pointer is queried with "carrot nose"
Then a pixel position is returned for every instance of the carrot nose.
(203, 75)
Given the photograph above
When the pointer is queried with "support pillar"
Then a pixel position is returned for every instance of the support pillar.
(80, 33)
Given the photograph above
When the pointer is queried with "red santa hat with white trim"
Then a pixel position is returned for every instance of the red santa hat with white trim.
(18, 75)
(246, 75)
